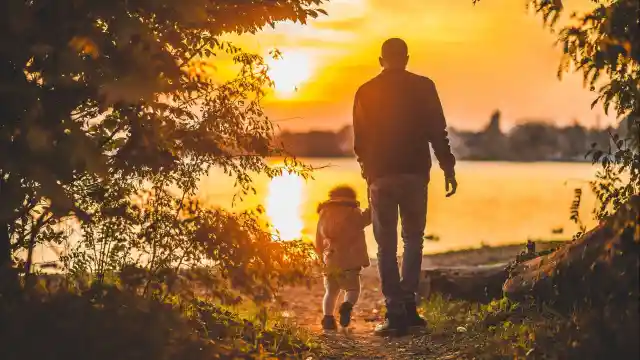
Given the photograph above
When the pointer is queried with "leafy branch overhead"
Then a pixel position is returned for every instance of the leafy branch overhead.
(102, 100)
(97, 88)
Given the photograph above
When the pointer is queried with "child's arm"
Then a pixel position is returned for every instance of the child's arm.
(319, 242)
(366, 217)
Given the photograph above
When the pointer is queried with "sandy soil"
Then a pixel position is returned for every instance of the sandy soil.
(303, 306)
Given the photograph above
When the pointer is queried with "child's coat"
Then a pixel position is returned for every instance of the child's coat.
(340, 235)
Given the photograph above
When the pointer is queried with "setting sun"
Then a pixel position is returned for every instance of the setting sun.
(289, 72)
(283, 205)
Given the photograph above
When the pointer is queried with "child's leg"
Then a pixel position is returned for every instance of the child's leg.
(331, 292)
(352, 286)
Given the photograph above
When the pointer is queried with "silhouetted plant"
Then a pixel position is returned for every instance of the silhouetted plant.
(106, 322)
(100, 102)
(603, 45)
(123, 95)
(166, 237)
(604, 41)
(120, 89)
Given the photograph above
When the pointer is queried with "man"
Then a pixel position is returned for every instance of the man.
(395, 117)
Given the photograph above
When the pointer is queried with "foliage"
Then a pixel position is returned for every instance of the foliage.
(165, 236)
(109, 322)
(111, 112)
(95, 93)
(603, 45)
(504, 329)
(120, 102)
(528, 254)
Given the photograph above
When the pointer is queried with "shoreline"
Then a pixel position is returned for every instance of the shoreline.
(524, 161)
(303, 304)
(477, 256)
(486, 255)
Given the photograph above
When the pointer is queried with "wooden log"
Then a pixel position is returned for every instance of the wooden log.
(472, 283)
(597, 267)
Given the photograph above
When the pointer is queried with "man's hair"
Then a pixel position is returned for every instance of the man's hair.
(342, 191)
(394, 49)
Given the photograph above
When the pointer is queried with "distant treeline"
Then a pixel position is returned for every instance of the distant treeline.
(528, 141)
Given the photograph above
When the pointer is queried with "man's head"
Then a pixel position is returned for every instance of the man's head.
(394, 54)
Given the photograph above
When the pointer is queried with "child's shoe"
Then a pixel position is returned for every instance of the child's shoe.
(329, 322)
(345, 313)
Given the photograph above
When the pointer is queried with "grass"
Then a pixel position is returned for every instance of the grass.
(505, 329)
(108, 322)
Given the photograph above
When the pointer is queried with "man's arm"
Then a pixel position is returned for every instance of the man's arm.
(438, 133)
(358, 132)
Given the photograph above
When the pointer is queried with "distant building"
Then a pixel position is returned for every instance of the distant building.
(488, 144)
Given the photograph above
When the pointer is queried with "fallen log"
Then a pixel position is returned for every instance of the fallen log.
(593, 282)
(471, 283)
(598, 267)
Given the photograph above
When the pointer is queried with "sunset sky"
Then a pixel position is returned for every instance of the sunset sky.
(494, 55)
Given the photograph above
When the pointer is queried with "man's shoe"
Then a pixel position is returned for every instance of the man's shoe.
(413, 318)
(345, 313)
(329, 323)
(392, 326)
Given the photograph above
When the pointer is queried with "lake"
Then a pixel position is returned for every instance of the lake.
(497, 203)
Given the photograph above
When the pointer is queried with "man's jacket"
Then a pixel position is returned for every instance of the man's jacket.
(396, 115)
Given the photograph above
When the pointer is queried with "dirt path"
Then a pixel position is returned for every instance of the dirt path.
(304, 307)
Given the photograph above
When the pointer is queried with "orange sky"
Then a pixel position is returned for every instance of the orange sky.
(494, 55)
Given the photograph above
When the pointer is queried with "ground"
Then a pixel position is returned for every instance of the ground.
(302, 306)
(358, 342)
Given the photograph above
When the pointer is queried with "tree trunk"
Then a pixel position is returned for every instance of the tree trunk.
(5, 246)
(9, 281)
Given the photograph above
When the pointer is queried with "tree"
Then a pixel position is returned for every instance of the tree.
(603, 45)
(96, 93)
(595, 277)
(534, 141)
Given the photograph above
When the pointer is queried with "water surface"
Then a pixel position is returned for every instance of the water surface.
(497, 202)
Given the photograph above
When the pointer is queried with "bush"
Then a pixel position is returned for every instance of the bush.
(108, 322)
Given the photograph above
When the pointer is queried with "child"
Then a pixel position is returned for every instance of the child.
(341, 245)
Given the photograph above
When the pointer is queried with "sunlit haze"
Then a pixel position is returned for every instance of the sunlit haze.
(289, 72)
(283, 205)
(494, 55)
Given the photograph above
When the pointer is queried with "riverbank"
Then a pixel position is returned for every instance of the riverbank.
(303, 305)
(457, 329)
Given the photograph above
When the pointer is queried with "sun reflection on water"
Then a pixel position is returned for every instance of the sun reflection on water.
(283, 205)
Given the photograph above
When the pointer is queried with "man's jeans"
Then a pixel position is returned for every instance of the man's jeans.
(407, 193)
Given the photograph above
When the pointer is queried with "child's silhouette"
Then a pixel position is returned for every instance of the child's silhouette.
(340, 243)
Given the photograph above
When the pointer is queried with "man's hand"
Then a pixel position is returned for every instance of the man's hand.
(450, 185)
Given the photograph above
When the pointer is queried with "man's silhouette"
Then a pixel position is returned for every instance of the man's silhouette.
(396, 116)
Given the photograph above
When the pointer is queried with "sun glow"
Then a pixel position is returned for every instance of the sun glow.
(283, 205)
(288, 72)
